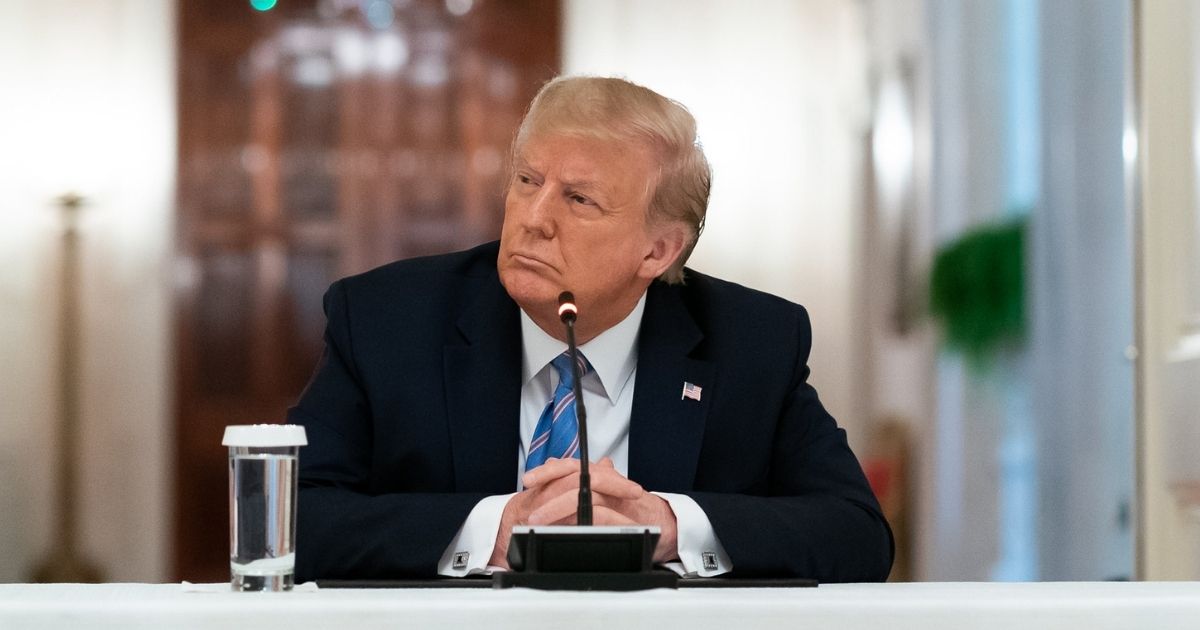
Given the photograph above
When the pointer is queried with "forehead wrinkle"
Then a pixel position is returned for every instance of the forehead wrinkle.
(577, 177)
(519, 160)
(577, 172)
(606, 194)
(585, 185)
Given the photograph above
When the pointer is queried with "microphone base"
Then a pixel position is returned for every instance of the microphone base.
(587, 558)
(586, 581)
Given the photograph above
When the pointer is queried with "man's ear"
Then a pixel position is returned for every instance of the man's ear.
(665, 249)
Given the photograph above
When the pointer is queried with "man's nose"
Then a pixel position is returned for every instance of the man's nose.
(540, 214)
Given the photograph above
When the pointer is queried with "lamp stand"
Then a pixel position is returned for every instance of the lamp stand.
(65, 563)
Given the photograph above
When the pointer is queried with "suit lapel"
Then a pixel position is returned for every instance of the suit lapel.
(666, 429)
(483, 393)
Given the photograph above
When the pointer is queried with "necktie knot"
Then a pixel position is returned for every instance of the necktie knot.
(562, 365)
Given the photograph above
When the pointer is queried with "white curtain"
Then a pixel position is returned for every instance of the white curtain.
(1081, 262)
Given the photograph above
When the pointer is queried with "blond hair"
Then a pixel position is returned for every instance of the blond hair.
(621, 111)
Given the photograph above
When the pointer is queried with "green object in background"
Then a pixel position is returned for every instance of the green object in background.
(977, 290)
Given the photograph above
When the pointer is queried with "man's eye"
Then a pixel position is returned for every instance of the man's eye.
(525, 179)
(583, 200)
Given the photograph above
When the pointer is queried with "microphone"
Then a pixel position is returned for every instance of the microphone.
(583, 556)
(568, 312)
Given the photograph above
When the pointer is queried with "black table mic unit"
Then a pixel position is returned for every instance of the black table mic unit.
(584, 556)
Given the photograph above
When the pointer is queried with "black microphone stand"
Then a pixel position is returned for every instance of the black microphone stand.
(584, 511)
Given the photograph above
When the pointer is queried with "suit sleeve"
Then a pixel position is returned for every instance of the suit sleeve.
(819, 518)
(343, 529)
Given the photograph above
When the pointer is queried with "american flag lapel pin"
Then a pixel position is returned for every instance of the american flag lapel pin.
(690, 391)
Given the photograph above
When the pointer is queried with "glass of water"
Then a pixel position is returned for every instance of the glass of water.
(263, 464)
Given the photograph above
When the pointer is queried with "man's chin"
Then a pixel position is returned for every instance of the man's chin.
(529, 289)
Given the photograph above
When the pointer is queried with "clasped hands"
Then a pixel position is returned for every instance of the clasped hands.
(551, 497)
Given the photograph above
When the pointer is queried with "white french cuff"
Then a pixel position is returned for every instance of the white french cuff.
(700, 553)
(475, 541)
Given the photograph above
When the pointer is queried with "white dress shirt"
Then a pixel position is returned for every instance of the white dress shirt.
(608, 395)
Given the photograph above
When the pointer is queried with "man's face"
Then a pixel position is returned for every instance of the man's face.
(575, 220)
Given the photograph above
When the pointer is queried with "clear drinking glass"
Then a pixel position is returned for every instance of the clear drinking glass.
(263, 466)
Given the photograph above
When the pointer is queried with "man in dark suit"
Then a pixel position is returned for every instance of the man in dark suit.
(440, 415)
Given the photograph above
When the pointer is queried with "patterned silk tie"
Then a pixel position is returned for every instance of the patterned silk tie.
(557, 431)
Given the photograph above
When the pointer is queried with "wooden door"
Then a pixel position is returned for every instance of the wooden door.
(316, 140)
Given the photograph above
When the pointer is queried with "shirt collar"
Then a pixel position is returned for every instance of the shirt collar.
(612, 353)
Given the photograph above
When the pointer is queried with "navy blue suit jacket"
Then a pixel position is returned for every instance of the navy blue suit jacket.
(413, 416)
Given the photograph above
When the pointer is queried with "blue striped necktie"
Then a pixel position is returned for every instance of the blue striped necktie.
(557, 431)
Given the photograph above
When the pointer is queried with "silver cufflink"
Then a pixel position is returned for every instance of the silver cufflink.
(461, 558)
(709, 559)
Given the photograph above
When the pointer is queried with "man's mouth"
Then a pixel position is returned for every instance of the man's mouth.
(531, 261)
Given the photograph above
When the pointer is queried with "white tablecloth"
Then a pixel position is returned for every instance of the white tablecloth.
(930, 606)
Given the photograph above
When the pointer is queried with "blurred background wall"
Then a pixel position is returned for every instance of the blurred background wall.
(318, 140)
(236, 157)
(88, 106)
(780, 96)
